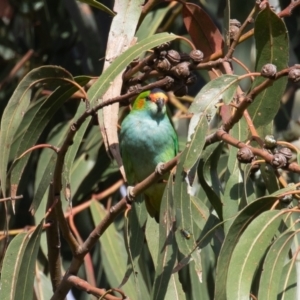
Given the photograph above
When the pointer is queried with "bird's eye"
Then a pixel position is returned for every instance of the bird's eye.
(148, 98)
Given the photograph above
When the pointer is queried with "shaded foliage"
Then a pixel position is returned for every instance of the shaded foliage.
(229, 217)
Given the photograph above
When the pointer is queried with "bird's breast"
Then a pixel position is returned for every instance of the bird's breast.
(147, 142)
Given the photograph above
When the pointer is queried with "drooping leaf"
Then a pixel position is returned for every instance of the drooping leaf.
(174, 290)
(248, 253)
(45, 170)
(234, 187)
(113, 252)
(272, 48)
(135, 238)
(183, 207)
(200, 211)
(208, 176)
(38, 123)
(203, 31)
(240, 223)
(99, 5)
(167, 245)
(151, 22)
(42, 286)
(273, 264)
(16, 107)
(288, 282)
(19, 265)
(204, 107)
(269, 178)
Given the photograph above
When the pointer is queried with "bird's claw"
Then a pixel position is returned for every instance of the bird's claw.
(130, 193)
(159, 168)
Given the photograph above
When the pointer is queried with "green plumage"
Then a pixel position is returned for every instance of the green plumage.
(148, 138)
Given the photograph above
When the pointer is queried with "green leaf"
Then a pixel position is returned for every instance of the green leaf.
(86, 162)
(204, 107)
(269, 178)
(16, 107)
(288, 282)
(248, 185)
(45, 170)
(248, 253)
(152, 232)
(272, 48)
(273, 265)
(113, 252)
(174, 290)
(240, 223)
(208, 176)
(151, 22)
(135, 237)
(234, 187)
(167, 245)
(38, 123)
(221, 89)
(19, 265)
(200, 212)
(198, 287)
(42, 286)
(183, 208)
(99, 5)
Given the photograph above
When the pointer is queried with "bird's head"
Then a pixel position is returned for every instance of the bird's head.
(151, 101)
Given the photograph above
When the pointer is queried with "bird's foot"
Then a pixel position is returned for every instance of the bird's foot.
(160, 168)
(130, 193)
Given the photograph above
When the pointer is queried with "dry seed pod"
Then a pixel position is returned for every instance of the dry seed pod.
(268, 71)
(173, 56)
(233, 30)
(184, 56)
(270, 142)
(192, 79)
(134, 88)
(146, 69)
(279, 160)
(181, 70)
(287, 199)
(162, 65)
(294, 75)
(235, 22)
(162, 47)
(287, 152)
(196, 56)
(245, 155)
(162, 54)
(170, 84)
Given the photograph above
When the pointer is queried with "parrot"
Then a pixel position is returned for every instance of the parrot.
(147, 140)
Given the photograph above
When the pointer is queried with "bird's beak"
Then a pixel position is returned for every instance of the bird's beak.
(160, 102)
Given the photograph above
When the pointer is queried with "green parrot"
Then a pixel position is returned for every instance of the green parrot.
(148, 139)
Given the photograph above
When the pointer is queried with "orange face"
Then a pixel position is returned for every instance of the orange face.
(157, 95)
(140, 103)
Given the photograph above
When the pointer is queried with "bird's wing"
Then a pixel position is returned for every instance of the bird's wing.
(175, 139)
(128, 167)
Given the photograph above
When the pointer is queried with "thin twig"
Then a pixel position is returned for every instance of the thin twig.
(239, 33)
(17, 67)
(90, 289)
